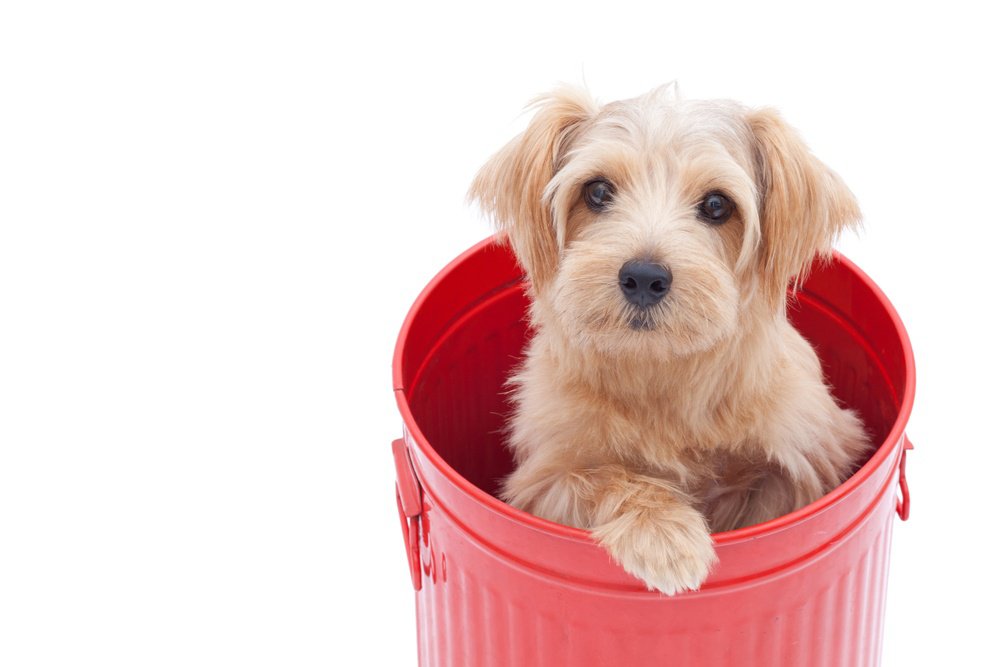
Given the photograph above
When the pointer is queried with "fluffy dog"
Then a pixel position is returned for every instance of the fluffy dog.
(664, 393)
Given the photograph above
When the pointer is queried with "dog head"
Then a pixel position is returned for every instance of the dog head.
(652, 226)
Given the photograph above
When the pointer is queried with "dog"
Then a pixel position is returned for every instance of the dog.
(664, 394)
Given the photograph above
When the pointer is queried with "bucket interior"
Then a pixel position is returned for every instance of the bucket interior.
(469, 330)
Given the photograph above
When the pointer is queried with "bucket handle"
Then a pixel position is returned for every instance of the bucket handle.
(903, 503)
(409, 502)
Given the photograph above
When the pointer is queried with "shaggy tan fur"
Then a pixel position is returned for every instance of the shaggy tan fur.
(714, 414)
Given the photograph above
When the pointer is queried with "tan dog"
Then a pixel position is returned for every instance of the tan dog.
(664, 393)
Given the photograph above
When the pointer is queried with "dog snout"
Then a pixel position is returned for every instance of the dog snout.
(644, 284)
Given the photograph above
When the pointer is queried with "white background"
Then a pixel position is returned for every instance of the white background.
(214, 217)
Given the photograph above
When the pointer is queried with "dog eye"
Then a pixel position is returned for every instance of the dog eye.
(716, 208)
(598, 194)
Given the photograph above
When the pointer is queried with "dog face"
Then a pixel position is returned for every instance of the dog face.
(651, 227)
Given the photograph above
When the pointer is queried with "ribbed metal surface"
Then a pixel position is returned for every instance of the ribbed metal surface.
(477, 608)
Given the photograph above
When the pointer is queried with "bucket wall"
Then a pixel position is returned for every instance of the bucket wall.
(496, 586)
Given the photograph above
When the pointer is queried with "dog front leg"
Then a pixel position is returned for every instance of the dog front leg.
(647, 525)
(769, 492)
(651, 528)
(767, 489)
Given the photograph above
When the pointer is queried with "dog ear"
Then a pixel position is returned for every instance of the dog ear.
(804, 204)
(510, 188)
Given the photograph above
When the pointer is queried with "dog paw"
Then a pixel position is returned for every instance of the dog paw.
(671, 553)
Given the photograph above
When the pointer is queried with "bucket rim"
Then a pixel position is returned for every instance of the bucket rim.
(883, 452)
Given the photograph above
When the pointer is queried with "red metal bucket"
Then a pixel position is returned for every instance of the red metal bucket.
(497, 586)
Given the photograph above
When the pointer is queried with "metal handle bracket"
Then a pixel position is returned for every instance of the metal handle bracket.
(903, 503)
(409, 501)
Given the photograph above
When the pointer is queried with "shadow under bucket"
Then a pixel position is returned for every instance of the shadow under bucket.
(497, 586)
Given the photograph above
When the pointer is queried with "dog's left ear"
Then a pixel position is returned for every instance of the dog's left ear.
(803, 204)
(510, 188)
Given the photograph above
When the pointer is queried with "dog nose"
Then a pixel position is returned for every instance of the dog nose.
(644, 283)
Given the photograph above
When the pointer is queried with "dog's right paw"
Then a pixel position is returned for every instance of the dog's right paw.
(670, 551)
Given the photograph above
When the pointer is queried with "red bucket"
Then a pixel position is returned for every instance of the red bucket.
(497, 586)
